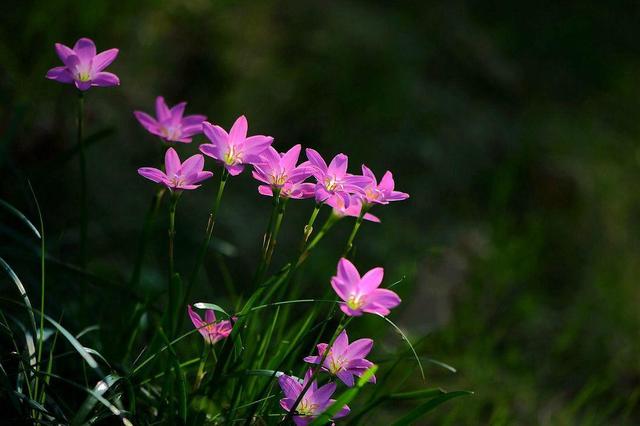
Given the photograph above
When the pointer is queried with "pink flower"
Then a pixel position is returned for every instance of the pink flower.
(83, 67)
(211, 330)
(362, 294)
(354, 208)
(171, 124)
(234, 149)
(315, 401)
(279, 171)
(383, 192)
(345, 360)
(334, 179)
(178, 176)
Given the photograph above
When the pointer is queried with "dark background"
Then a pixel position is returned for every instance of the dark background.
(513, 125)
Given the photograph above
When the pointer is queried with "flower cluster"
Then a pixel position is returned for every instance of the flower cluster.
(280, 175)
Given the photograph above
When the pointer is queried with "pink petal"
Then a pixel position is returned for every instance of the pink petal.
(193, 120)
(290, 387)
(259, 175)
(60, 74)
(104, 59)
(235, 170)
(63, 52)
(238, 132)
(384, 297)
(323, 393)
(346, 377)
(209, 316)
(162, 110)
(387, 183)
(105, 79)
(341, 288)
(171, 162)
(152, 174)
(189, 131)
(254, 146)
(265, 190)
(147, 121)
(371, 280)
(350, 312)
(217, 135)
(82, 85)
(359, 349)
(85, 48)
(177, 112)
(195, 318)
(192, 165)
(341, 343)
(371, 218)
(316, 160)
(338, 166)
(343, 411)
(290, 158)
(199, 177)
(211, 150)
(348, 272)
(368, 173)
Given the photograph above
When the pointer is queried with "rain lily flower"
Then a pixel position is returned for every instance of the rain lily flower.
(345, 360)
(279, 172)
(234, 149)
(315, 401)
(334, 179)
(354, 208)
(211, 330)
(171, 124)
(362, 294)
(383, 192)
(83, 67)
(178, 176)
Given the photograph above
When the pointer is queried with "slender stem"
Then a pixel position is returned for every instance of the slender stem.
(266, 242)
(83, 183)
(343, 323)
(209, 231)
(203, 361)
(42, 293)
(172, 233)
(146, 234)
(276, 230)
(354, 231)
(331, 220)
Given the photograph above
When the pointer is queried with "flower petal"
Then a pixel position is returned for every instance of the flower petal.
(338, 166)
(346, 377)
(348, 272)
(254, 146)
(147, 121)
(162, 110)
(104, 59)
(290, 386)
(63, 52)
(290, 158)
(177, 111)
(235, 170)
(359, 348)
(341, 344)
(59, 74)
(171, 162)
(192, 165)
(238, 132)
(152, 174)
(387, 183)
(316, 160)
(384, 297)
(105, 79)
(85, 48)
(371, 280)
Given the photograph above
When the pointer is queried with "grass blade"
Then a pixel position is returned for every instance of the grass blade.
(20, 216)
(424, 408)
(406, 339)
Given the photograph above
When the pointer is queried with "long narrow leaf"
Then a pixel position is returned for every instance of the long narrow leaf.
(428, 406)
(20, 216)
(100, 389)
(22, 291)
(406, 339)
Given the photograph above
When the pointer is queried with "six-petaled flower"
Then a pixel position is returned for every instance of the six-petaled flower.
(361, 294)
(383, 192)
(178, 176)
(234, 149)
(170, 123)
(83, 67)
(280, 173)
(211, 331)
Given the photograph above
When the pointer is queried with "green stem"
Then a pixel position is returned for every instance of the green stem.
(83, 183)
(276, 230)
(343, 323)
(266, 242)
(354, 231)
(146, 234)
(42, 293)
(173, 295)
(331, 220)
(203, 361)
(208, 232)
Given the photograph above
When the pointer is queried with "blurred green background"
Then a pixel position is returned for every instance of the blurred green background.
(513, 125)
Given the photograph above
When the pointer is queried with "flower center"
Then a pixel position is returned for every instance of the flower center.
(372, 193)
(355, 301)
(306, 408)
(330, 183)
(84, 76)
(232, 157)
(336, 364)
(279, 180)
(170, 132)
(177, 182)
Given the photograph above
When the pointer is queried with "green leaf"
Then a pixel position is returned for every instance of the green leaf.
(20, 216)
(345, 398)
(202, 305)
(22, 292)
(100, 389)
(419, 394)
(406, 339)
(424, 408)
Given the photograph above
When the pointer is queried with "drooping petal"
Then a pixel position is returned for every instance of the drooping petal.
(235, 170)
(238, 132)
(171, 162)
(152, 174)
(162, 110)
(371, 218)
(346, 377)
(105, 79)
(60, 74)
(265, 190)
(371, 280)
(104, 59)
(85, 48)
(82, 85)
(344, 411)
(350, 312)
